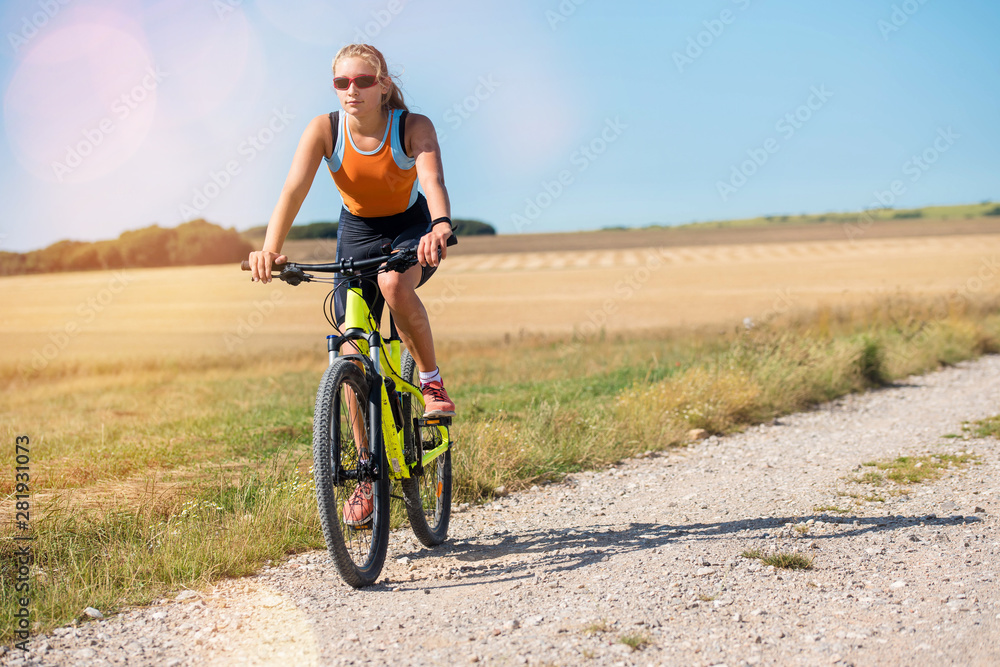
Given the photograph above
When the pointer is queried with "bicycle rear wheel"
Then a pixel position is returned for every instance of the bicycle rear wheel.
(427, 491)
(343, 463)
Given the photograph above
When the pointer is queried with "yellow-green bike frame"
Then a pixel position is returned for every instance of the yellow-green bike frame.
(373, 349)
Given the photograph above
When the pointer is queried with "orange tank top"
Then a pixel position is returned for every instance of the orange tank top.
(374, 183)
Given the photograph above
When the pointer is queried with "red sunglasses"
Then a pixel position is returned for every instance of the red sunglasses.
(362, 81)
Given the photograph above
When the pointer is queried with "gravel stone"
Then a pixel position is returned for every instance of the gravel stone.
(93, 613)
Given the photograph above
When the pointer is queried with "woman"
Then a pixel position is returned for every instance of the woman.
(376, 151)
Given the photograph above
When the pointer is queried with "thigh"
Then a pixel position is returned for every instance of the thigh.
(409, 238)
(358, 241)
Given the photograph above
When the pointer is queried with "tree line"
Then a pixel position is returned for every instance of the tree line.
(192, 243)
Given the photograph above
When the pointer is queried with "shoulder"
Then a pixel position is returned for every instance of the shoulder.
(419, 123)
(319, 125)
(420, 134)
(319, 133)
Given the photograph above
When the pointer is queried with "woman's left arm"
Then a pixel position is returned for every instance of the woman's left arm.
(423, 145)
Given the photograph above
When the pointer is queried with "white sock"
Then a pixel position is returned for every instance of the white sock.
(433, 376)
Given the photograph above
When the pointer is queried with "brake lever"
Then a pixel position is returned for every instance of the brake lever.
(402, 260)
(293, 275)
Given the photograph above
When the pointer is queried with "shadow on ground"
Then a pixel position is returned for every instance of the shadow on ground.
(588, 546)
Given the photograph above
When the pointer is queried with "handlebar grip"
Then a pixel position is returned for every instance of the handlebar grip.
(245, 265)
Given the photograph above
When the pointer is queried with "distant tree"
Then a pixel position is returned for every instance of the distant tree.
(468, 227)
(314, 230)
(199, 242)
(109, 255)
(195, 242)
(12, 263)
(146, 247)
(259, 230)
(993, 211)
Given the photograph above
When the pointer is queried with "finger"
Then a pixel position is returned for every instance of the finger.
(422, 252)
(279, 259)
(254, 273)
(268, 260)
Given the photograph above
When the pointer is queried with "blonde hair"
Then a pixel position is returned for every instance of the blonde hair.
(393, 98)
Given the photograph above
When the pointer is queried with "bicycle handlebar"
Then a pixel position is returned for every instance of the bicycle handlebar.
(346, 265)
(397, 261)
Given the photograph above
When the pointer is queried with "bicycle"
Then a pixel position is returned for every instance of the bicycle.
(368, 427)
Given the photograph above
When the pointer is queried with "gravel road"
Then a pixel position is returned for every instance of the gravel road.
(648, 552)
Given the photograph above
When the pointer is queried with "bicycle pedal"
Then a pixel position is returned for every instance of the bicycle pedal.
(366, 526)
(434, 421)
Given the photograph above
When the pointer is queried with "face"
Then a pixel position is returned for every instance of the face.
(358, 101)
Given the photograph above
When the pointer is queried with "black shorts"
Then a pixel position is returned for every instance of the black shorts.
(363, 238)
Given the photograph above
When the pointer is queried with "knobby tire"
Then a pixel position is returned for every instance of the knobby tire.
(358, 554)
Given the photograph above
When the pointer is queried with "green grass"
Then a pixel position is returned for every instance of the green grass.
(905, 470)
(831, 508)
(120, 451)
(635, 641)
(985, 428)
(784, 560)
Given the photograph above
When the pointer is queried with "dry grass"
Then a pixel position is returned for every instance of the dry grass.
(714, 399)
(596, 627)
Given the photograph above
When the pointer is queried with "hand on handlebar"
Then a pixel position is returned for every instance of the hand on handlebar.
(261, 262)
(433, 245)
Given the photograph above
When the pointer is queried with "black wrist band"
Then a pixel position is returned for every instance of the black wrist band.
(443, 218)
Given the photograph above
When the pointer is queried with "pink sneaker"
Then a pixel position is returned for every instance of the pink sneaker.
(436, 401)
(360, 506)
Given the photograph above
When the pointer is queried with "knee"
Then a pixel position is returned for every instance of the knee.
(393, 286)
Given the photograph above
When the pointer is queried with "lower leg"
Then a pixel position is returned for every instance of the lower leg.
(415, 331)
(410, 316)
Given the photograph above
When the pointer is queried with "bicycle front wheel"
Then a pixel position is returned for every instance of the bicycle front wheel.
(427, 491)
(352, 490)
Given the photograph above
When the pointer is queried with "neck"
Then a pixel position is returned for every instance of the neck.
(370, 124)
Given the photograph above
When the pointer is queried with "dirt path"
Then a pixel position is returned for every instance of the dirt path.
(649, 553)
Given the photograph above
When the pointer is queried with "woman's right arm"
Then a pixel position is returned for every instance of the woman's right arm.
(313, 145)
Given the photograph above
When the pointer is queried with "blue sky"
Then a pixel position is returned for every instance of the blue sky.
(554, 116)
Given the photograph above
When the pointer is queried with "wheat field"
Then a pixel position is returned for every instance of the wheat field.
(480, 295)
